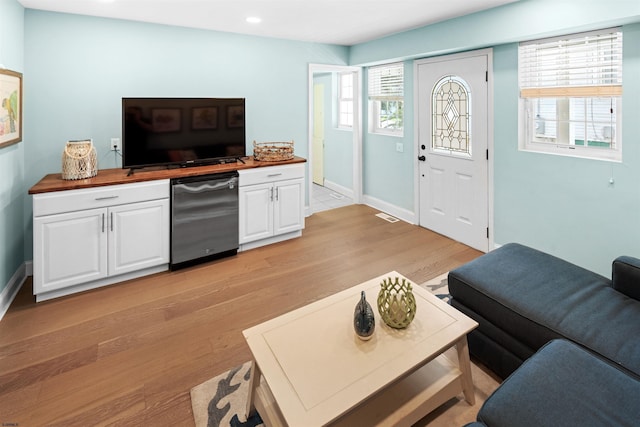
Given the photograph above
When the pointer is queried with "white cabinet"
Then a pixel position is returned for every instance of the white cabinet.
(68, 250)
(271, 204)
(93, 237)
(138, 236)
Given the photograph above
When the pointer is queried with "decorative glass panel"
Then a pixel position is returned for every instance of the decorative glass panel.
(451, 126)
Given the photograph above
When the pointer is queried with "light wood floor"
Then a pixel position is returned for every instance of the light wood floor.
(128, 354)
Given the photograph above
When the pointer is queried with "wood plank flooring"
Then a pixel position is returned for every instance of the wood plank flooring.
(128, 354)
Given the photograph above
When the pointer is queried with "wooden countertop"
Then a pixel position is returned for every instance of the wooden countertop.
(54, 182)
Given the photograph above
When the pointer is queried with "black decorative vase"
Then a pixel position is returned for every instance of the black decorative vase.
(364, 321)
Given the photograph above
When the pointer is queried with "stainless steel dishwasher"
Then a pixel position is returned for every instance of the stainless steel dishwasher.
(204, 218)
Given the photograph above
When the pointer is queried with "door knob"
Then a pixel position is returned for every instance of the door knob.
(422, 158)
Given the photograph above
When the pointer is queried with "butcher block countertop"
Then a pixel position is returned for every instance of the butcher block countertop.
(54, 182)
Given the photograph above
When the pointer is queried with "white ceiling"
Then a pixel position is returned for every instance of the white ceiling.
(343, 22)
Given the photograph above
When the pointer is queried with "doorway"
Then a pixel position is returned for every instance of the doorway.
(334, 159)
(453, 127)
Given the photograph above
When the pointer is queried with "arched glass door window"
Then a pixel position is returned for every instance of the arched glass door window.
(451, 120)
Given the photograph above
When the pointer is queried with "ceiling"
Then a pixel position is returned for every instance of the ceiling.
(342, 22)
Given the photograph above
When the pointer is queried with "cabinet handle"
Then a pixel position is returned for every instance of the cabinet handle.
(271, 194)
(106, 198)
(111, 221)
(276, 194)
(272, 175)
(103, 223)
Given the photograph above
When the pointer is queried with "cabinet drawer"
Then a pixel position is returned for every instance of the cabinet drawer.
(99, 197)
(270, 174)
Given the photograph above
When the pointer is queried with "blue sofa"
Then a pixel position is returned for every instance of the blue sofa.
(524, 299)
(563, 385)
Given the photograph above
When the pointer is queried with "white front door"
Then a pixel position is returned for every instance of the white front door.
(452, 109)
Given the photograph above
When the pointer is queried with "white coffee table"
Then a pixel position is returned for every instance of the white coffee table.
(310, 369)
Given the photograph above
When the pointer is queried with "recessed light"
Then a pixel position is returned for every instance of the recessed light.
(254, 20)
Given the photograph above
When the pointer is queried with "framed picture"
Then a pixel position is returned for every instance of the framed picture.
(204, 118)
(166, 119)
(235, 116)
(10, 107)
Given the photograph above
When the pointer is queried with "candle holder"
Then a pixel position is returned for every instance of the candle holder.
(396, 303)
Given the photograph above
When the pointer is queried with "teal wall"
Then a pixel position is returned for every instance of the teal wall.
(388, 174)
(80, 67)
(12, 182)
(566, 205)
(562, 205)
(514, 22)
(338, 143)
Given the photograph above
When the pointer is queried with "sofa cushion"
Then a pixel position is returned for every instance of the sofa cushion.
(535, 297)
(564, 385)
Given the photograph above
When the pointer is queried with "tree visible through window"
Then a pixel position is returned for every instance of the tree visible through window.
(386, 98)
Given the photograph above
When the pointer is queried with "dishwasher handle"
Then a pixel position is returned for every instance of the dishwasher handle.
(201, 187)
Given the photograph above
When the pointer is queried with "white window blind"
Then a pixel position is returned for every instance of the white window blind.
(585, 65)
(386, 82)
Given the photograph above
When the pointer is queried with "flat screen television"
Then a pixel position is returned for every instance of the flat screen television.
(182, 131)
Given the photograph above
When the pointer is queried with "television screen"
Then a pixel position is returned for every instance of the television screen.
(181, 131)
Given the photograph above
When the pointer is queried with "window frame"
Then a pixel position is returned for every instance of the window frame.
(590, 80)
(341, 98)
(390, 91)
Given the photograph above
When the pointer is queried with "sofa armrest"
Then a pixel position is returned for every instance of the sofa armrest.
(625, 276)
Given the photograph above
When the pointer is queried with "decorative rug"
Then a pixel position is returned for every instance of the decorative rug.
(438, 286)
(221, 401)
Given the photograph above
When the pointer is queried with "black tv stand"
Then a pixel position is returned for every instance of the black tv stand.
(131, 171)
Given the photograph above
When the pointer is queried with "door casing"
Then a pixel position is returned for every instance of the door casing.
(490, 132)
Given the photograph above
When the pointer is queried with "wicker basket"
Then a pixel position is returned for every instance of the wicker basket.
(79, 160)
(272, 151)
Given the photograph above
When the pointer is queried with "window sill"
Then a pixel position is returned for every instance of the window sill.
(382, 133)
(576, 152)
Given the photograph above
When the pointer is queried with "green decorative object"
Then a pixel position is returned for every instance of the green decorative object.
(396, 303)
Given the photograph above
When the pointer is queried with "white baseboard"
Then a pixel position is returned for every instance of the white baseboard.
(338, 188)
(388, 208)
(11, 289)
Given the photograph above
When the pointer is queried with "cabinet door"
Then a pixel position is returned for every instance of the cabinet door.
(256, 212)
(69, 249)
(289, 206)
(138, 236)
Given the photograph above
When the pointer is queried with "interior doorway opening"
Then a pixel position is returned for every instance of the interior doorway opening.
(334, 160)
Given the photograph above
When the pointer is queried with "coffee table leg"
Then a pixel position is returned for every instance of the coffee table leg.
(254, 382)
(465, 367)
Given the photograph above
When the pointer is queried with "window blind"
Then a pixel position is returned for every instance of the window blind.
(582, 65)
(386, 82)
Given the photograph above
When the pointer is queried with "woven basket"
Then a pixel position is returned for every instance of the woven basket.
(272, 151)
(79, 160)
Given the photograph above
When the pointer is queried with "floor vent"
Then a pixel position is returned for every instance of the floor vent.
(336, 196)
(387, 217)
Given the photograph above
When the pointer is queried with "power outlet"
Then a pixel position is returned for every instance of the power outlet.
(115, 144)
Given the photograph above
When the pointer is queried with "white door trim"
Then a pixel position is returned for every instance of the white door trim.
(416, 185)
(357, 128)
